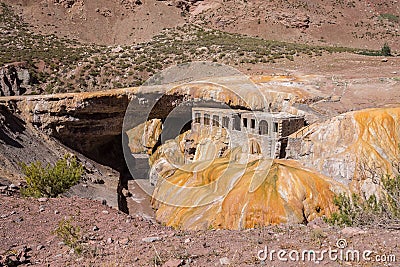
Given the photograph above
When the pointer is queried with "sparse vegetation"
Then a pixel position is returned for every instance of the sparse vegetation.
(70, 235)
(358, 210)
(385, 51)
(389, 17)
(70, 66)
(50, 181)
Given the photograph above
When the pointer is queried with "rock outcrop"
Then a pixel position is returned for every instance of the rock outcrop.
(144, 137)
(348, 152)
(299, 21)
(225, 193)
(88, 123)
(92, 123)
(356, 146)
(236, 190)
(14, 79)
(22, 143)
(67, 3)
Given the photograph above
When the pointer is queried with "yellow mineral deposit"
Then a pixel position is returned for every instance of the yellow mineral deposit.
(231, 195)
(348, 147)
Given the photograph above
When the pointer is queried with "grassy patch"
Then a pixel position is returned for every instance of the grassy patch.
(389, 17)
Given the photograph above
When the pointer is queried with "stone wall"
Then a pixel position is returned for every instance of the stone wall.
(291, 125)
(255, 132)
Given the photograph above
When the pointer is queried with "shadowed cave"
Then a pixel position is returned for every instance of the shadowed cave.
(101, 136)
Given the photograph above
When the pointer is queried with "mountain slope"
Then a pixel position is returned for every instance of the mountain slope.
(359, 24)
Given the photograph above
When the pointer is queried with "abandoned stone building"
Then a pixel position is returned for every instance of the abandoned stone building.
(257, 132)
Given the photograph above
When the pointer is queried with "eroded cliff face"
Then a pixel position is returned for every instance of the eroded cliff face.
(19, 143)
(357, 146)
(90, 123)
(22, 143)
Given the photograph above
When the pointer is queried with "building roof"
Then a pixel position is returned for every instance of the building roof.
(258, 114)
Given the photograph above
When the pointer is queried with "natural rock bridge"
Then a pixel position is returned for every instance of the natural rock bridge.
(91, 123)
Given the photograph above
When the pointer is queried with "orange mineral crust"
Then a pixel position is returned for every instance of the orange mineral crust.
(231, 195)
(353, 148)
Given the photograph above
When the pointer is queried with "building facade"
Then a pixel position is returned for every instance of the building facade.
(257, 132)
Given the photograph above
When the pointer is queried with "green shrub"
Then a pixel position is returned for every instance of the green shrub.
(357, 210)
(385, 51)
(392, 196)
(70, 235)
(50, 181)
(389, 17)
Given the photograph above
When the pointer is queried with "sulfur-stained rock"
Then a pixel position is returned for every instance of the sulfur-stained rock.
(165, 161)
(226, 194)
(356, 146)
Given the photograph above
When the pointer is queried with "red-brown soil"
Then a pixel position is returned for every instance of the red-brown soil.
(359, 24)
(23, 224)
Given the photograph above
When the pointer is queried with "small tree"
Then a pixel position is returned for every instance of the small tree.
(50, 181)
(385, 51)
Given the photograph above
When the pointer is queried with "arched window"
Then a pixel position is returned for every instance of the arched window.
(263, 128)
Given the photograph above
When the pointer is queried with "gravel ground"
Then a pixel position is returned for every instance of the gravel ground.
(112, 238)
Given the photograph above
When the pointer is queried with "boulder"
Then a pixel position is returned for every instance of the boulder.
(14, 79)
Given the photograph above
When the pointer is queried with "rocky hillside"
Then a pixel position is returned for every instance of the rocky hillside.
(62, 63)
(357, 24)
(361, 24)
(117, 22)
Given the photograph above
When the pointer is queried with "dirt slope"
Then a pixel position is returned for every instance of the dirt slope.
(102, 22)
(112, 238)
(360, 24)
